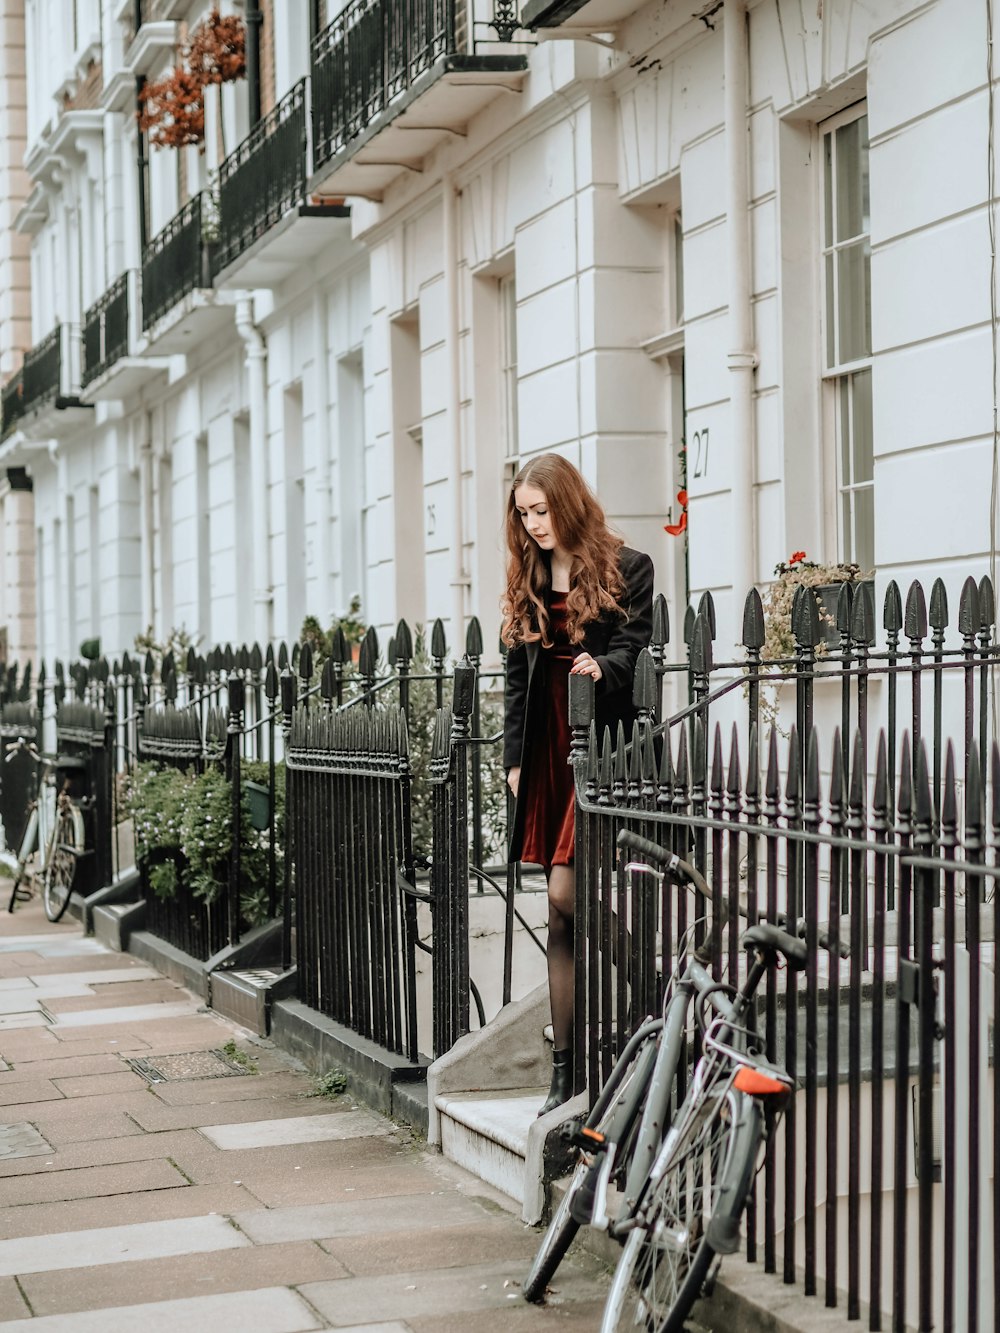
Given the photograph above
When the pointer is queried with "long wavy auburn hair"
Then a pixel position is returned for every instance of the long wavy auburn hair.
(578, 523)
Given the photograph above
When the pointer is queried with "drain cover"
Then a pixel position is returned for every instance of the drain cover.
(191, 1064)
(21, 1140)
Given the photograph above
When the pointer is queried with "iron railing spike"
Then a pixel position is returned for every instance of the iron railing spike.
(792, 778)
(837, 771)
(256, 658)
(665, 776)
(271, 682)
(937, 613)
(682, 776)
(753, 764)
(974, 813)
(880, 795)
(987, 603)
(892, 609)
(474, 638)
(915, 615)
(439, 644)
(923, 805)
(661, 621)
(858, 795)
(715, 782)
(644, 682)
(734, 780)
(305, 664)
(404, 643)
(845, 605)
(805, 619)
(811, 793)
(949, 800)
(282, 655)
(772, 781)
(753, 620)
(689, 619)
(706, 607)
(968, 609)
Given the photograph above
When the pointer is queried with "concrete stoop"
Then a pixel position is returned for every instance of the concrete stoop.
(483, 1099)
(488, 1135)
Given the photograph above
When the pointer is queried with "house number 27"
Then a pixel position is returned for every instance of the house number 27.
(699, 442)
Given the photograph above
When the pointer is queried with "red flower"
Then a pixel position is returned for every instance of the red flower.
(796, 556)
(675, 529)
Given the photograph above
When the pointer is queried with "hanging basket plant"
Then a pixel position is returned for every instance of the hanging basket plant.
(171, 110)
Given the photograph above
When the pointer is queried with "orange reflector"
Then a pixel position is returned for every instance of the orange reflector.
(594, 1134)
(756, 1083)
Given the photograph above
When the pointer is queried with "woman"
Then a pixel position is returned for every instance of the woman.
(578, 602)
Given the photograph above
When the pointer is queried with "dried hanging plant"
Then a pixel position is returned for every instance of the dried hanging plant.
(172, 109)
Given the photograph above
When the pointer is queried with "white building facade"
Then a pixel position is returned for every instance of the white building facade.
(745, 254)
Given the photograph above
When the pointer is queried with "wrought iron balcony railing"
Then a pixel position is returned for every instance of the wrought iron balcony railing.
(42, 371)
(11, 404)
(263, 178)
(105, 330)
(369, 55)
(175, 262)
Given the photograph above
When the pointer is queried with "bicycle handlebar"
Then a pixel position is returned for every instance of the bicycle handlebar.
(672, 864)
(22, 746)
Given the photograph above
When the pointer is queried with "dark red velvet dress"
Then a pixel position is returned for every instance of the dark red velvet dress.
(549, 798)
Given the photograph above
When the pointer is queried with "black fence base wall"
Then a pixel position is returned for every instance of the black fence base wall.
(386, 1082)
(171, 961)
(259, 947)
(112, 923)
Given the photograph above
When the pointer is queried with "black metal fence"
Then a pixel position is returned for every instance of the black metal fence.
(370, 53)
(175, 262)
(263, 178)
(86, 732)
(877, 834)
(105, 330)
(18, 774)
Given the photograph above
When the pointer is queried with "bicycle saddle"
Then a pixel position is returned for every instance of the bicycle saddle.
(772, 939)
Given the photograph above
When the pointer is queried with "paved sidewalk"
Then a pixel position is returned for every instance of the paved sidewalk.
(217, 1198)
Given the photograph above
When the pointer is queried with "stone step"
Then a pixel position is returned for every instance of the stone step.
(487, 1134)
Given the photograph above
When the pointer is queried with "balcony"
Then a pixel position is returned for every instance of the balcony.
(179, 308)
(584, 16)
(42, 401)
(11, 405)
(266, 229)
(111, 369)
(393, 78)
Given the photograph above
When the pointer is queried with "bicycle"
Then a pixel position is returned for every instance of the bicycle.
(55, 832)
(684, 1181)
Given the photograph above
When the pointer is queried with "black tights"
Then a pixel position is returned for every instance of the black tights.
(561, 886)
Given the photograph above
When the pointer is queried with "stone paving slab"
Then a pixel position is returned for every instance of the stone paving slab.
(290, 1129)
(275, 1310)
(70, 1066)
(493, 1286)
(194, 1274)
(193, 1092)
(137, 1209)
(25, 1048)
(283, 1189)
(99, 1085)
(444, 1247)
(202, 1163)
(377, 1216)
(19, 1021)
(518, 1317)
(84, 998)
(35, 1090)
(42, 1253)
(154, 1115)
(108, 1152)
(126, 1016)
(12, 1303)
(71, 1108)
(91, 975)
(92, 1182)
(86, 1129)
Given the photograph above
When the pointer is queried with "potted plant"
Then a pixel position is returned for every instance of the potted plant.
(825, 579)
(171, 110)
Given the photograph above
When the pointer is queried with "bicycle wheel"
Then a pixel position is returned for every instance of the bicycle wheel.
(60, 867)
(616, 1124)
(666, 1258)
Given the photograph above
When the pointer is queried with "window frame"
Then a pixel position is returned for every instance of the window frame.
(840, 486)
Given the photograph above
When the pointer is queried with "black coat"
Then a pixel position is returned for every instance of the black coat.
(614, 644)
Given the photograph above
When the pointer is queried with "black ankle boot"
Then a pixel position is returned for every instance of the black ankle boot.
(561, 1088)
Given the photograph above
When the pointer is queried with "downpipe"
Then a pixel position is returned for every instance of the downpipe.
(742, 357)
(449, 242)
(260, 480)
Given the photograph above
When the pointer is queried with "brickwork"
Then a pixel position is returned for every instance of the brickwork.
(267, 89)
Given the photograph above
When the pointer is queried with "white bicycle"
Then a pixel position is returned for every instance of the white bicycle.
(54, 837)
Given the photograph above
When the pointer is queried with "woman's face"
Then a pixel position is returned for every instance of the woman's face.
(533, 507)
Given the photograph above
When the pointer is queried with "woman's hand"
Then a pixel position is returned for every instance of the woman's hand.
(514, 780)
(584, 665)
